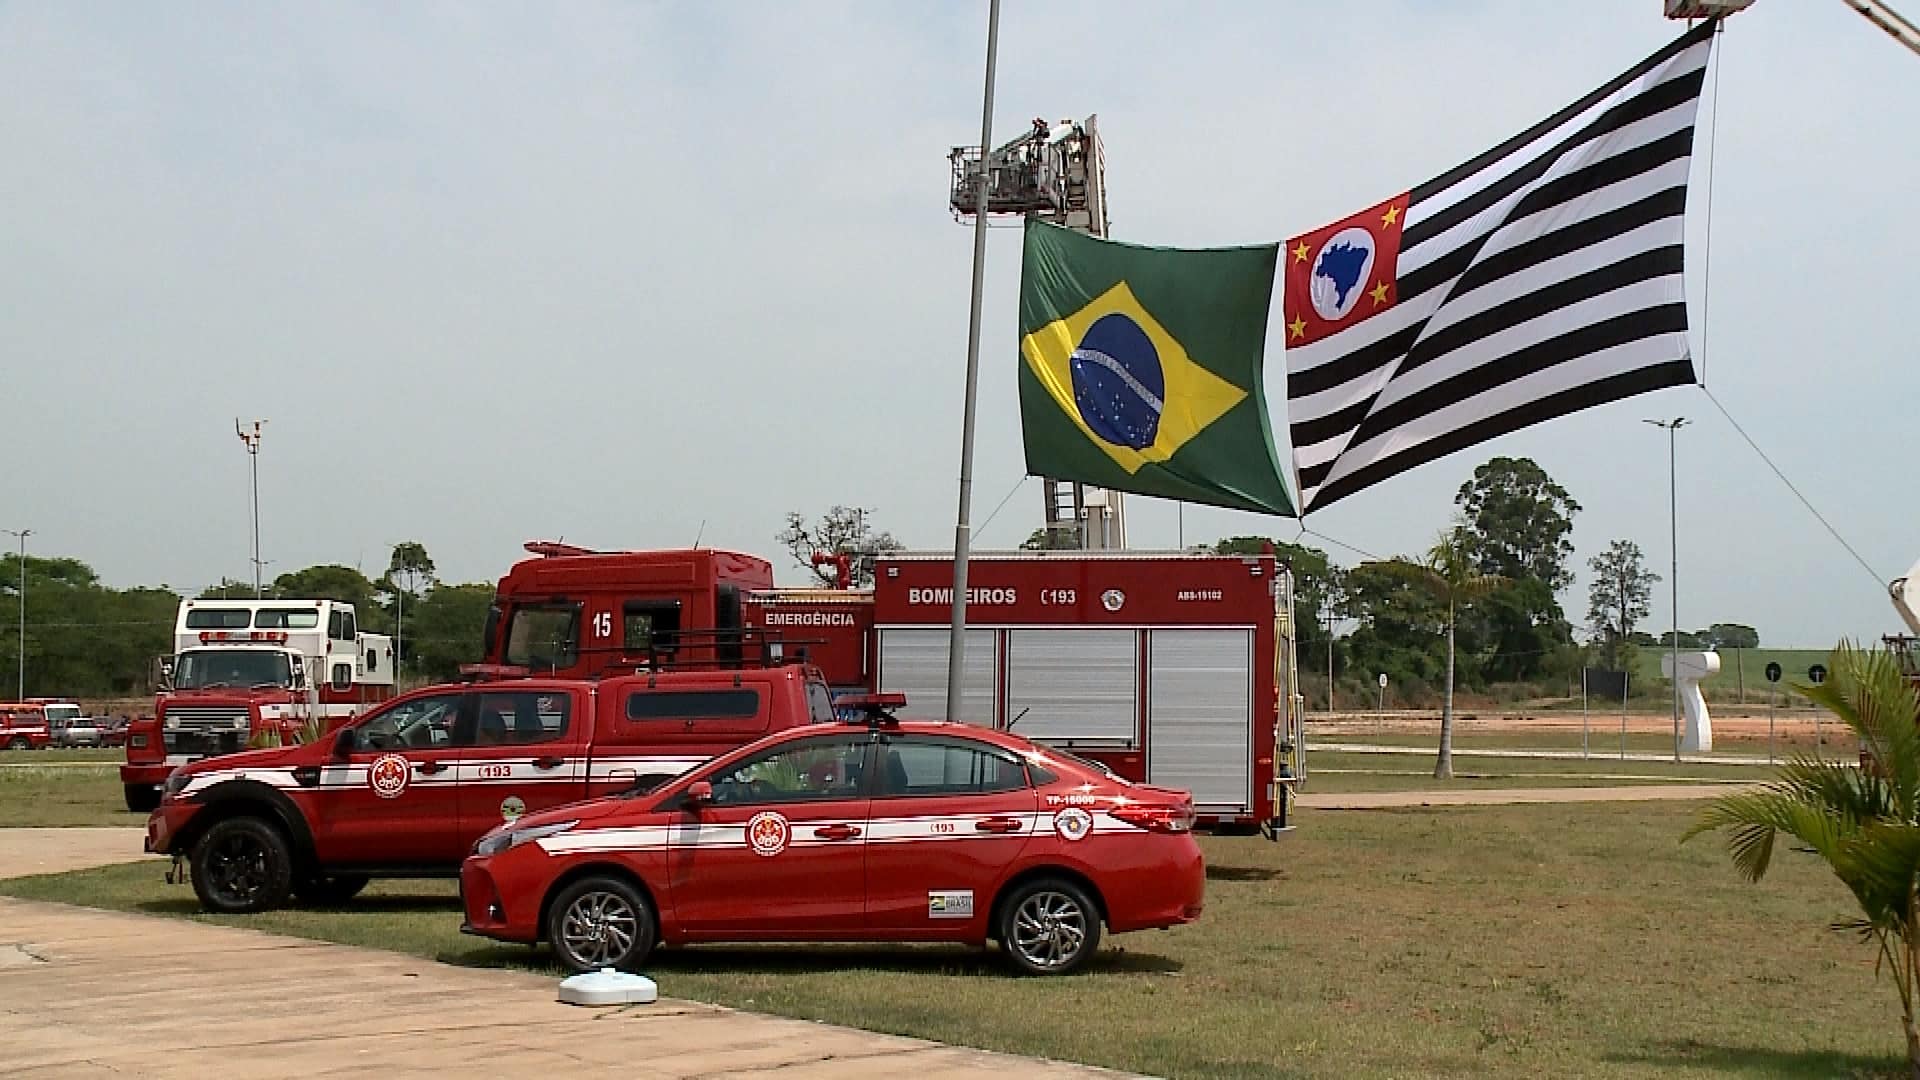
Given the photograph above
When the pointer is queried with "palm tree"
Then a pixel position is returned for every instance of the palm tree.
(1864, 821)
(1448, 573)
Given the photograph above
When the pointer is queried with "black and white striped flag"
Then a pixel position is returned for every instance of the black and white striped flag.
(1540, 278)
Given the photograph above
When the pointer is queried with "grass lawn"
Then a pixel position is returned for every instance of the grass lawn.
(43, 790)
(1498, 941)
(103, 755)
(1335, 772)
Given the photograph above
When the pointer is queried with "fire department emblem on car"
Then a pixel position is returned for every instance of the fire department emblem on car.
(388, 776)
(768, 833)
(1113, 599)
(512, 807)
(1073, 823)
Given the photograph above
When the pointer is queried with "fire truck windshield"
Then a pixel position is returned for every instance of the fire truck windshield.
(206, 669)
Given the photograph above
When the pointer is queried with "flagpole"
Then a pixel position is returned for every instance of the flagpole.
(962, 530)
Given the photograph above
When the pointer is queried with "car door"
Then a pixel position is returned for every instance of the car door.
(778, 853)
(528, 754)
(395, 800)
(948, 815)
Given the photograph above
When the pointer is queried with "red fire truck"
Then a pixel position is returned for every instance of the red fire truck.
(252, 673)
(1173, 669)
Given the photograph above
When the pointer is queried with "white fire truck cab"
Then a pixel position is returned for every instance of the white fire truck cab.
(250, 672)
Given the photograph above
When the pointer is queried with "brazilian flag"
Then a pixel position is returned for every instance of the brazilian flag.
(1141, 368)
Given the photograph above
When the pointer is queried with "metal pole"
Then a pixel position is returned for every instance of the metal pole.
(1583, 712)
(962, 530)
(1772, 709)
(22, 534)
(1673, 519)
(254, 456)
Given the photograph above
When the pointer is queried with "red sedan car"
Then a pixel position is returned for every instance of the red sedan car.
(888, 831)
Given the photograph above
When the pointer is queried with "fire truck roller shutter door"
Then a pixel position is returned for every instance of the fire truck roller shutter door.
(1200, 715)
(1079, 685)
(913, 661)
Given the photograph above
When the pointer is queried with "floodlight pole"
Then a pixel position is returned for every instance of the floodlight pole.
(21, 535)
(962, 530)
(252, 439)
(1673, 510)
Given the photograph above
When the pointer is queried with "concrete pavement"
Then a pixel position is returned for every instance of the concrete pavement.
(95, 993)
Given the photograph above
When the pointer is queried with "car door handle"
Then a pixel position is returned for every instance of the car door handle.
(997, 825)
(836, 832)
(548, 762)
(427, 768)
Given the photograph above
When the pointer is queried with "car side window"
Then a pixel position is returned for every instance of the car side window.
(522, 718)
(811, 771)
(428, 723)
(923, 766)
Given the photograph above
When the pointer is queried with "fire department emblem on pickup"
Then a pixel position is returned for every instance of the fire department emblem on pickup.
(1073, 823)
(388, 776)
(768, 833)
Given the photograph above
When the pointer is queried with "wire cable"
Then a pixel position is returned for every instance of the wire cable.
(1713, 174)
(1879, 580)
(1003, 503)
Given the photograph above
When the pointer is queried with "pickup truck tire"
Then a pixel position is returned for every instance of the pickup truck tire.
(142, 798)
(328, 891)
(601, 922)
(242, 865)
(19, 742)
(1048, 926)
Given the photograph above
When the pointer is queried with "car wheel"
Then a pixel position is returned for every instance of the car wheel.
(142, 798)
(601, 922)
(18, 743)
(242, 865)
(1049, 926)
(326, 891)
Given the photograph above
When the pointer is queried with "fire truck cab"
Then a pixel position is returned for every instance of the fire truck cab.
(1173, 669)
(248, 673)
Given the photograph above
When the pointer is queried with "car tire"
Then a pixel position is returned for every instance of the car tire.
(330, 890)
(242, 865)
(1048, 926)
(142, 798)
(601, 922)
(18, 743)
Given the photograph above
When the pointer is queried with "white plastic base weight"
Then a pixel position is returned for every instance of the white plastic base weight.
(608, 987)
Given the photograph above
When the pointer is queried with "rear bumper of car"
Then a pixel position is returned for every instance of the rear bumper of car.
(1171, 892)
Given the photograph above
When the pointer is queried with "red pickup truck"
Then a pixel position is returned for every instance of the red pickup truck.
(405, 790)
(24, 727)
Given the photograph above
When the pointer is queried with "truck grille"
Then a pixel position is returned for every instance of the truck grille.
(208, 718)
(204, 744)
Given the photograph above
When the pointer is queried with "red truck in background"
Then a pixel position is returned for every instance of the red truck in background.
(405, 789)
(23, 726)
(252, 673)
(1173, 669)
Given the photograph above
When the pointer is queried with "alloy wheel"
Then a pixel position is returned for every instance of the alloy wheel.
(1049, 929)
(599, 929)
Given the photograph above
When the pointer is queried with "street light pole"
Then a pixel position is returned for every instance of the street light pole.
(1673, 519)
(252, 439)
(21, 535)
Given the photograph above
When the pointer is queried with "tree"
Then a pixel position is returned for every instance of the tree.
(1447, 573)
(334, 582)
(1517, 630)
(1723, 635)
(1517, 522)
(1316, 580)
(408, 571)
(1865, 822)
(1618, 597)
(1045, 539)
(447, 624)
(843, 530)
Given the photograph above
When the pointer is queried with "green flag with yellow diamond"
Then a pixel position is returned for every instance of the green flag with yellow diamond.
(1141, 368)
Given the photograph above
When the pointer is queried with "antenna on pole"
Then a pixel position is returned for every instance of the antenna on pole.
(252, 439)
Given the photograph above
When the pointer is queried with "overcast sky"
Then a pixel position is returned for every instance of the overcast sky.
(632, 274)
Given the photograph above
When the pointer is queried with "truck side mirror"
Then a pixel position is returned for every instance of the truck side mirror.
(699, 794)
(342, 744)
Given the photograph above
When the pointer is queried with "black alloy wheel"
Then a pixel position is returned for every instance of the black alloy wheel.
(242, 865)
(1049, 926)
(601, 922)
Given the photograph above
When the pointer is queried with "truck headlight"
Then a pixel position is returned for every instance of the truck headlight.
(504, 838)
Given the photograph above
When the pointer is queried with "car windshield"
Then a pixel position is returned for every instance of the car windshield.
(61, 714)
(205, 669)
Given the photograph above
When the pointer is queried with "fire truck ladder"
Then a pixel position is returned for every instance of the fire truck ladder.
(1055, 172)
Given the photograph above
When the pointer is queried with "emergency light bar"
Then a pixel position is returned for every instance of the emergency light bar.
(877, 707)
(277, 637)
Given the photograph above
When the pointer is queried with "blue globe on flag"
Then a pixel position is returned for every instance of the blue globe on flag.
(1340, 272)
(1119, 387)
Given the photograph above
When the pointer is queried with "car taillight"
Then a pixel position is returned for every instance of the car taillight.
(1160, 819)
